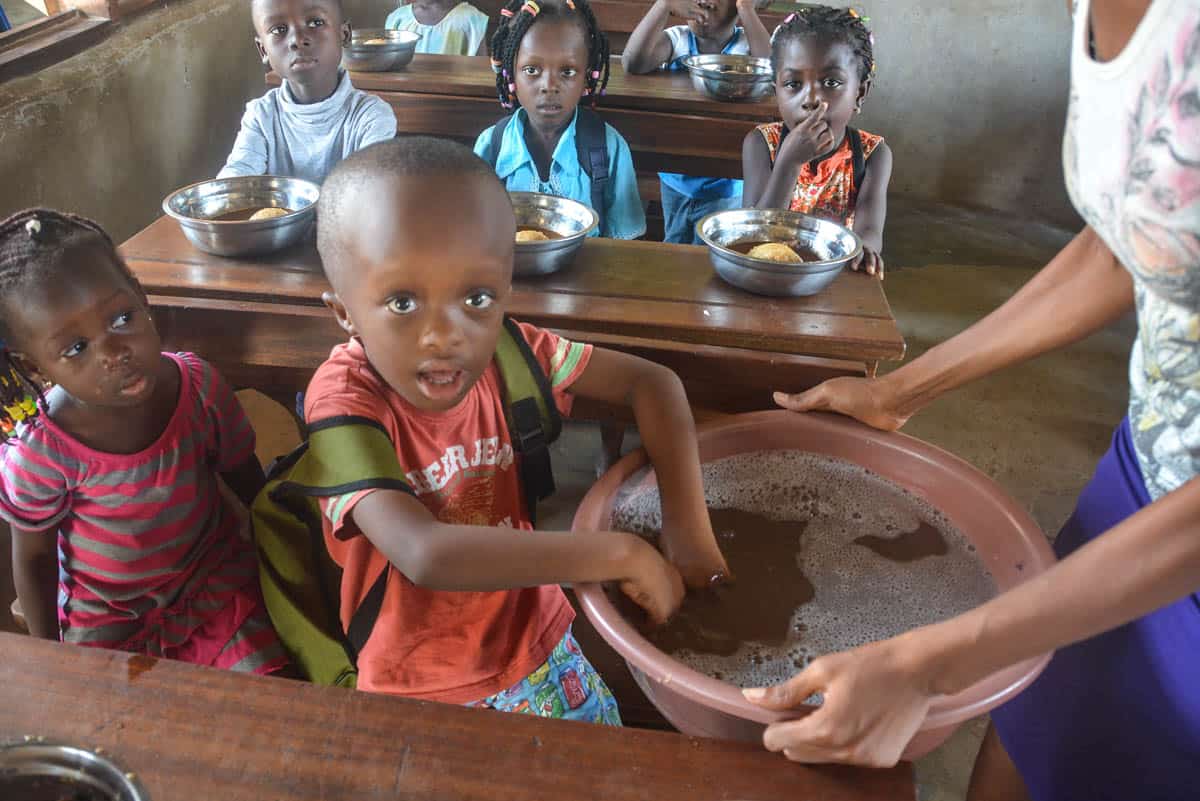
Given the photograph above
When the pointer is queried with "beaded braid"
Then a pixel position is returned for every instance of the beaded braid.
(515, 19)
(35, 245)
(830, 24)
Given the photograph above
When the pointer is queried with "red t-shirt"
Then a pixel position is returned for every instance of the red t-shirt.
(455, 647)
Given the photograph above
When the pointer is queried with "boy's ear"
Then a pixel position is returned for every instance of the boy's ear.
(339, 310)
(262, 52)
(346, 31)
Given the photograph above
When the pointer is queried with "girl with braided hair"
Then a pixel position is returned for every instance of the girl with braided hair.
(121, 536)
(548, 55)
(812, 161)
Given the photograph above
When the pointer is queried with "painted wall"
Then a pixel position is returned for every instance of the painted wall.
(112, 130)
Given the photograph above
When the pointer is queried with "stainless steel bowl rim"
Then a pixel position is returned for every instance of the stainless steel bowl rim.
(39, 751)
(397, 39)
(700, 64)
(775, 266)
(563, 241)
(185, 219)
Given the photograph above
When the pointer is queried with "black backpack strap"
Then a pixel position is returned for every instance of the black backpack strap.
(492, 154)
(363, 620)
(534, 421)
(591, 146)
(857, 161)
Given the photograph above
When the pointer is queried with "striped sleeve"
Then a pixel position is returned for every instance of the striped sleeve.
(230, 436)
(562, 360)
(33, 489)
(337, 511)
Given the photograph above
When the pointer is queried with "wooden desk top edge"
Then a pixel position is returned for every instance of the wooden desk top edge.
(532, 300)
(158, 718)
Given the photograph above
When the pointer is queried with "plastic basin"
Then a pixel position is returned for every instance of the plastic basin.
(1006, 538)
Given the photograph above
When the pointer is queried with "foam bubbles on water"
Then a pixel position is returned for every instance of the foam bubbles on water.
(860, 596)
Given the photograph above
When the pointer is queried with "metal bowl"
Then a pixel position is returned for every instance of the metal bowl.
(195, 206)
(724, 76)
(571, 220)
(41, 771)
(394, 52)
(835, 245)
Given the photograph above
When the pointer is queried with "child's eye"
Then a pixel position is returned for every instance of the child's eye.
(316, 23)
(278, 30)
(75, 349)
(122, 320)
(831, 83)
(570, 72)
(530, 70)
(480, 300)
(401, 305)
(790, 85)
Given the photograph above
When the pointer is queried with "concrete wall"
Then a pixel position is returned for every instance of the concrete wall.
(971, 94)
(112, 130)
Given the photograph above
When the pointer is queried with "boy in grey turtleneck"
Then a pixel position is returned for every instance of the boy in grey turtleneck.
(317, 118)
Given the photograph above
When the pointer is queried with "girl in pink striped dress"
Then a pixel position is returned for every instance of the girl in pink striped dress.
(121, 536)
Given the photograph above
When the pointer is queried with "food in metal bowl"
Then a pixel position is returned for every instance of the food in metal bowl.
(246, 214)
(531, 235)
(550, 230)
(269, 213)
(774, 251)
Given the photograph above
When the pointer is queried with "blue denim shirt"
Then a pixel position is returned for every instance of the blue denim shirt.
(624, 216)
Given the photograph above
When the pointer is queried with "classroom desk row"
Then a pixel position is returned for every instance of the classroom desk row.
(262, 323)
(190, 733)
(669, 125)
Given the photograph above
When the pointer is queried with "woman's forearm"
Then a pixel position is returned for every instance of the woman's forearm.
(1080, 291)
(1146, 562)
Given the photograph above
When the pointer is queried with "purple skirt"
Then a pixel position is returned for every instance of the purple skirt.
(1116, 717)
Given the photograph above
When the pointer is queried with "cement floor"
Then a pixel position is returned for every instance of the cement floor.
(1038, 429)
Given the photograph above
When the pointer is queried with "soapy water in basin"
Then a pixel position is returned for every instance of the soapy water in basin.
(871, 560)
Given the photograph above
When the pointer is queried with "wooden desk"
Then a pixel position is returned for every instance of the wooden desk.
(669, 126)
(262, 322)
(197, 733)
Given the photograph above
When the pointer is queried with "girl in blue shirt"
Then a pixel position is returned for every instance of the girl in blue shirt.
(548, 56)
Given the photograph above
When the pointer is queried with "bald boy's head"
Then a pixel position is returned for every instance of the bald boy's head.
(361, 194)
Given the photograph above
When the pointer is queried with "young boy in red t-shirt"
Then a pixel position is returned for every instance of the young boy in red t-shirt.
(416, 237)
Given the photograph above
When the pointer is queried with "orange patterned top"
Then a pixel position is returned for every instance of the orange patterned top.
(826, 190)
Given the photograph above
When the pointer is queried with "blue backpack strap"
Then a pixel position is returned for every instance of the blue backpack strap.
(591, 146)
(492, 154)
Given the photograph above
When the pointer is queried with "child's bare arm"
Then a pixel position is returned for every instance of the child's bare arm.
(668, 433)
(35, 574)
(756, 32)
(444, 556)
(870, 210)
(810, 139)
(648, 47)
(756, 168)
(246, 480)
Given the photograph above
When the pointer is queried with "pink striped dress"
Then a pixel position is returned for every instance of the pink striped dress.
(150, 555)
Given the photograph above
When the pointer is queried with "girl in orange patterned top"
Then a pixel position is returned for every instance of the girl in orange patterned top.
(811, 161)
